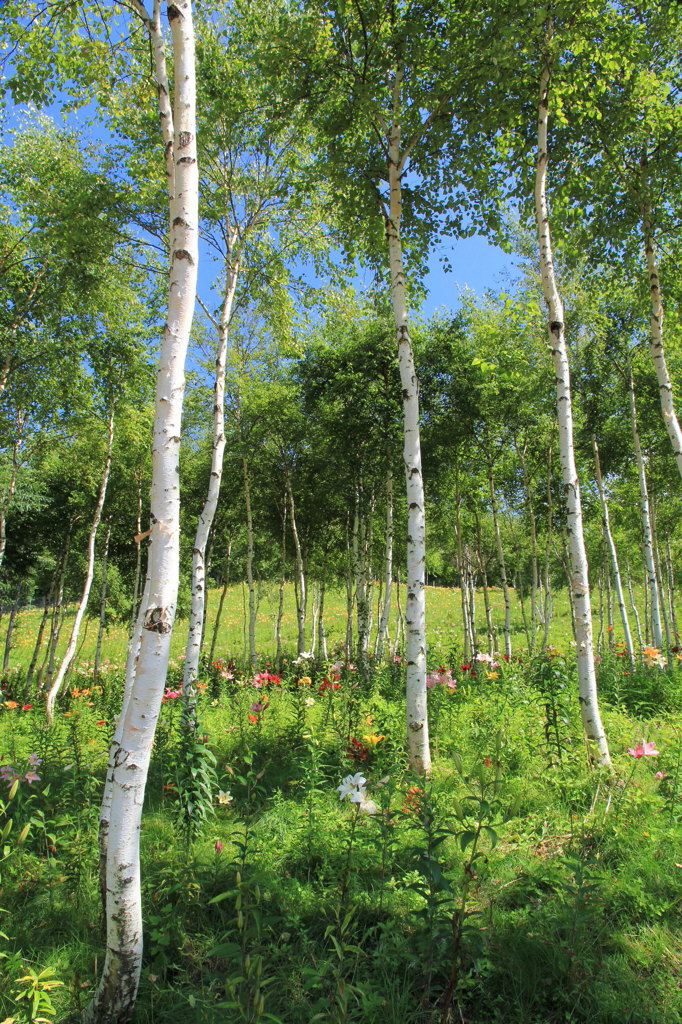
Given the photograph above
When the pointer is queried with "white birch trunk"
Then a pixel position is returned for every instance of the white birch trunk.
(579, 583)
(665, 389)
(654, 615)
(114, 999)
(198, 602)
(415, 607)
(620, 597)
(90, 567)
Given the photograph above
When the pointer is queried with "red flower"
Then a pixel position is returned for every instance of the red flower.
(252, 718)
(465, 668)
(26, 707)
(357, 751)
(101, 722)
(487, 762)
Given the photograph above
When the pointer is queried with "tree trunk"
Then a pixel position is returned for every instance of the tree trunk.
(102, 602)
(591, 718)
(114, 999)
(301, 597)
(10, 629)
(606, 524)
(39, 638)
(388, 577)
(221, 602)
(82, 604)
(671, 589)
(55, 625)
(654, 615)
(415, 611)
(484, 579)
(321, 634)
(249, 562)
(501, 562)
(547, 609)
(11, 486)
(665, 389)
(138, 560)
(282, 581)
(198, 602)
(633, 606)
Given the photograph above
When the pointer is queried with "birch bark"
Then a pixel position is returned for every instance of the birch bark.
(665, 389)
(579, 582)
(90, 567)
(114, 999)
(415, 610)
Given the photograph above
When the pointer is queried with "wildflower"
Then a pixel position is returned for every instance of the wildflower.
(492, 675)
(309, 701)
(465, 668)
(34, 760)
(101, 721)
(218, 846)
(201, 687)
(357, 751)
(660, 775)
(26, 707)
(169, 694)
(305, 681)
(373, 739)
(31, 777)
(487, 762)
(258, 705)
(252, 718)
(225, 797)
(643, 750)
(351, 787)
(10, 704)
(412, 800)
(327, 684)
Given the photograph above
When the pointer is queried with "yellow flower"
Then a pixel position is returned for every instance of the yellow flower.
(492, 675)
(650, 652)
(373, 739)
(305, 681)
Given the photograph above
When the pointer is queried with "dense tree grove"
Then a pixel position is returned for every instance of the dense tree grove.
(195, 391)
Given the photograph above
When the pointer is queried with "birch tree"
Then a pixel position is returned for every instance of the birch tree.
(579, 579)
(149, 652)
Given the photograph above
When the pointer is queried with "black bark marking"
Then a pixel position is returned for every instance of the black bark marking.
(179, 221)
(186, 160)
(158, 620)
(184, 139)
(556, 327)
(182, 254)
(173, 12)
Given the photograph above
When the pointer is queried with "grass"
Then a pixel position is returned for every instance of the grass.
(516, 885)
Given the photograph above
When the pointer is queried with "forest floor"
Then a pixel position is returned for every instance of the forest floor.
(517, 884)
